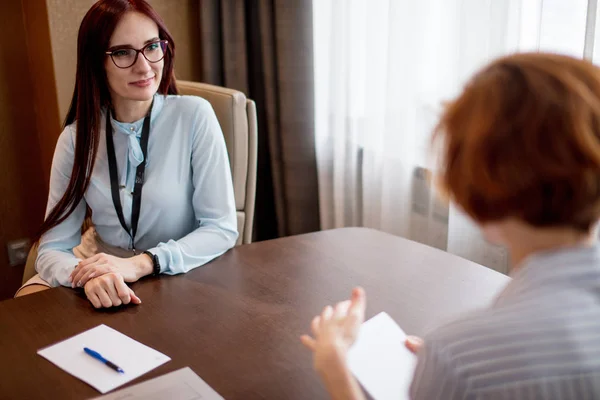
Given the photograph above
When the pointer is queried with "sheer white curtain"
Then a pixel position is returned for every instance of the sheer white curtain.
(382, 70)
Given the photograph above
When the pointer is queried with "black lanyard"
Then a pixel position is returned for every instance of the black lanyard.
(139, 177)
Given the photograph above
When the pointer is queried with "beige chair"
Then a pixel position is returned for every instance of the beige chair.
(237, 117)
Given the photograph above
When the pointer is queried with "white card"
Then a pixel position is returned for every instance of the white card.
(380, 360)
(133, 357)
(182, 384)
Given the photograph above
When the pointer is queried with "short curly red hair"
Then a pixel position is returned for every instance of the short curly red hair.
(523, 141)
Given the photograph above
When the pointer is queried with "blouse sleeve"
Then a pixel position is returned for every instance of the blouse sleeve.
(55, 259)
(213, 201)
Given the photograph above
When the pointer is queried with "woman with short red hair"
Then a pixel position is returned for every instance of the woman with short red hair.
(520, 153)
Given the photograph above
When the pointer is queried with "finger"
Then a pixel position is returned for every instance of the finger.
(98, 269)
(309, 342)
(91, 260)
(82, 264)
(356, 312)
(134, 298)
(315, 325)
(103, 296)
(414, 343)
(111, 291)
(358, 303)
(341, 309)
(78, 273)
(327, 313)
(93, 298)
(92, 272)
(73, 273)
(75, 270)
(123, 291)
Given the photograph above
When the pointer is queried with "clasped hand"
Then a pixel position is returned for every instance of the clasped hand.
(103, 277)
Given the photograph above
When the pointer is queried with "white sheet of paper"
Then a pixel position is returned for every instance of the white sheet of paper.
(133, 357)
(182, 384)
(380, 360)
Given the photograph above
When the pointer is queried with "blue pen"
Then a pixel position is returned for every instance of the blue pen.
(98, 357)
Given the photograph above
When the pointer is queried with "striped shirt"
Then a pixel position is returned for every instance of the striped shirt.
(539, 340)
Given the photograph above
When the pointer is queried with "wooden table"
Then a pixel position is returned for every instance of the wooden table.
(236, 321)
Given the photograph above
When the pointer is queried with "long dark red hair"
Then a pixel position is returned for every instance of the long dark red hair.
(91, 93)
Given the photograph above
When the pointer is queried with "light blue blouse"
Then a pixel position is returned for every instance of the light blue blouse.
(187, 214)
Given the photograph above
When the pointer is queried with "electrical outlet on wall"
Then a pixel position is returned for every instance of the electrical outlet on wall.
(18, 251)
(421, 191)
(438, 222)
(420, 205)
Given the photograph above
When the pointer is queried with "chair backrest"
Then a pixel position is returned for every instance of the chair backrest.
(237, 117)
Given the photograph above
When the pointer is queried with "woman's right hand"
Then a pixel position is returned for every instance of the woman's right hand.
(109, 290)
(335, 330)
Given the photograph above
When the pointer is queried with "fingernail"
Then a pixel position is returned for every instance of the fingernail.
(79, 284)
(414, 339)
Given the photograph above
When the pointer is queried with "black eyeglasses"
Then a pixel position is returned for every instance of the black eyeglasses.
(125, 57)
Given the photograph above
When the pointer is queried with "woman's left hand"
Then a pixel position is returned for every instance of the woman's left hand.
(335, 330)
(131, 269)
(414, 344)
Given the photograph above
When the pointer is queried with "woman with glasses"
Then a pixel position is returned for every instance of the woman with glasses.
(150, 166)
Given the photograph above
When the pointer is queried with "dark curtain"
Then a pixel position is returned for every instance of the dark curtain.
(264, 48)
